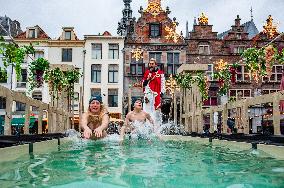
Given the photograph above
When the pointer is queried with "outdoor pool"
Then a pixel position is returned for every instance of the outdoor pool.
(143, 163)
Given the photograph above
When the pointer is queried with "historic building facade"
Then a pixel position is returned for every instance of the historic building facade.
(206, 47)
(69, 50)
(153, 35)
(103, 71)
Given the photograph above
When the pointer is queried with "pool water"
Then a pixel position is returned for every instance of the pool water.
(143, 163)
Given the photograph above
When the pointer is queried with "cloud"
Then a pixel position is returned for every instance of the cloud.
(96, 16)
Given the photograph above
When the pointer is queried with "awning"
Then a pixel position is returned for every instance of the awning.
(20, 122)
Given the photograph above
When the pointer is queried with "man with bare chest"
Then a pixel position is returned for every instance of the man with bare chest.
(136, 117)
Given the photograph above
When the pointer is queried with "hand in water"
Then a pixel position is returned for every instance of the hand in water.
(98, 132)
(87, 133)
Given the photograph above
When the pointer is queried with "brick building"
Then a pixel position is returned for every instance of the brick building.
(153, 35)
(206, 47)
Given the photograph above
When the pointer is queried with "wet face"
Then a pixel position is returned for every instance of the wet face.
(138, 105)
(95, 106)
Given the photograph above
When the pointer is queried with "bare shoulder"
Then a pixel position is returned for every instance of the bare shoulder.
(146, 114)
(129, 114)
(85, 115)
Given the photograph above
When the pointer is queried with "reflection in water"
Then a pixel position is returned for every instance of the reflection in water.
(143, 162)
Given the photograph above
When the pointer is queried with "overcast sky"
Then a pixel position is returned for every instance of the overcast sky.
(96, 16)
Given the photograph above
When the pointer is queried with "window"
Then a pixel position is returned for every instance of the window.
(211, 101)
(95, 92)
(204, 49)
(96, 51)
(2, 103)
(173, 63)
(158, 57)
(37, 96)
(137, 67)
(67, 35)
(3, 76)
(113, 52)
(239, 36)
(243, 74)
(96, 73)
(210, 72)
(31, 33)
(23, 81)
(269, 91)
(242, 93)
(113, 97)
(20, 106)
(239, 49)
(276, 74)
(39, 54)
(67, 55)
(76, 96)
(155, 30)
(113, 74)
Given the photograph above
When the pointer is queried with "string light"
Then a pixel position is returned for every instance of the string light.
(137, 54)
(269, 28)
(172, 34)
(221, 65)
(203, 19)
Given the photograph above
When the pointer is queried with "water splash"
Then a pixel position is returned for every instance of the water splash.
(171, 128)
(72, 133)
(142, 130)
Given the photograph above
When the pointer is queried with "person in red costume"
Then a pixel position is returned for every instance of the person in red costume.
(153, 88)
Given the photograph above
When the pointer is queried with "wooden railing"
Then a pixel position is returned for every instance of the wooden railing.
(58, 119)
(187, 116)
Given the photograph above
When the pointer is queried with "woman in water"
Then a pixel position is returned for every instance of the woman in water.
(136, 116)
(96, 120)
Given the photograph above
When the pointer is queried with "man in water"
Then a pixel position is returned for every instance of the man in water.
(153, 87)
(137, 116)
(96, 120)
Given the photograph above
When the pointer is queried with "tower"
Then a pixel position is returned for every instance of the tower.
(126, 23)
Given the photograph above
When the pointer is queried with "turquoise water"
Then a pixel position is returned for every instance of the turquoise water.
(141, 163)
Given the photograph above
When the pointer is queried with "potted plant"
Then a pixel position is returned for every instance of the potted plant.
(37, 69)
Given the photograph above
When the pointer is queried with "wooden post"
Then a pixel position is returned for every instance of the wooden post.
(50, 120)
(8, 114)
(276, 115)
(194, 123)
(201, 122)
(175, 106)
(27, 118)
(181, 107)
(211, 120)
(188, 109)
(39, 124)
(245, 117)
(68, 118)
(225, 119)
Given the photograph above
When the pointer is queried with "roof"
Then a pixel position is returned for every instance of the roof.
(41, 34)
(106, 33)
(249, 27)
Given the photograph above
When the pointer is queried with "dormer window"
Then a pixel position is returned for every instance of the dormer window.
(155, 30)
(204, 49)
(239, 36)
(67, 35)
(31, 33)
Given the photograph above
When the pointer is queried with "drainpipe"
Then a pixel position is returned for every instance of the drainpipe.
(83, 86)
